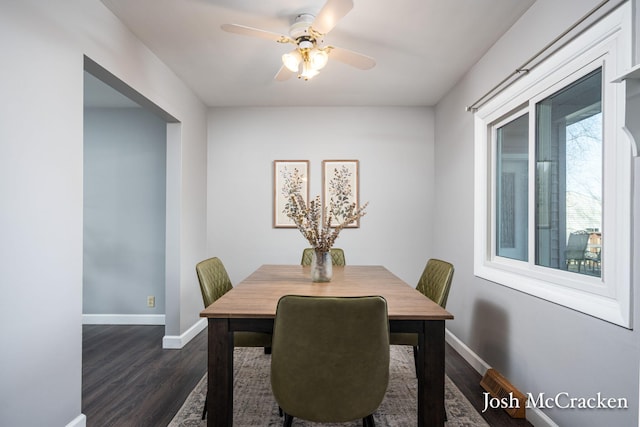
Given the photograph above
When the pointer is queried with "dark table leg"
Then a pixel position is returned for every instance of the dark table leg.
(220, 378)
(431, 374)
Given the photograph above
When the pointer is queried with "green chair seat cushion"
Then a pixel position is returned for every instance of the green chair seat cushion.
(403, 338)
(251, 339)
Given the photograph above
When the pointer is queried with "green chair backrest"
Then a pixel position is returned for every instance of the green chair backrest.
(214, 280)
(214, 283)
(435, 281)
(330, 359)
(337, 256)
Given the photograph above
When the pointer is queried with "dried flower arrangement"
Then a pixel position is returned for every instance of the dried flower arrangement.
(320, 230)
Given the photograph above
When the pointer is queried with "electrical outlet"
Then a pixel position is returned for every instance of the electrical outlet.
(151, 301)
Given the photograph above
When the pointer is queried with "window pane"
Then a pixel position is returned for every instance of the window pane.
(569, 177)
(511, 192)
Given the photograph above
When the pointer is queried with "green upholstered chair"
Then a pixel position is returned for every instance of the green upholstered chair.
(434, 283)
(330, 360)
(214, 283)
(337, 256)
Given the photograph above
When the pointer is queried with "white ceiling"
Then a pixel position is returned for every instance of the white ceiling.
(422, 48)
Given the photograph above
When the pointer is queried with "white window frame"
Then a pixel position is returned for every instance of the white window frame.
(606, 44)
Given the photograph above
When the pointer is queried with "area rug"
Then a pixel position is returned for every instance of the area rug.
(254, 405)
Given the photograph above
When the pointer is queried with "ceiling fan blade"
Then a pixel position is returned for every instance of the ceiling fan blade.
(330, 14)
(283, 74)
(352, 58)
(255, 32)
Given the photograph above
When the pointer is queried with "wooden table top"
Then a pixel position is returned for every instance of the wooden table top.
(257, 296)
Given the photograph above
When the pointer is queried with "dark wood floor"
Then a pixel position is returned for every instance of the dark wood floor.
(129, 380)
(467, 380)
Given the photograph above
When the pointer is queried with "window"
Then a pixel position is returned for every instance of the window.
(568, 183)
(553, 178)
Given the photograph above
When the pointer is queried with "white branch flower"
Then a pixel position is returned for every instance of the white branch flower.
(322, 233)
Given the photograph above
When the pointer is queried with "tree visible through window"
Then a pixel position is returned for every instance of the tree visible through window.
(569, 177)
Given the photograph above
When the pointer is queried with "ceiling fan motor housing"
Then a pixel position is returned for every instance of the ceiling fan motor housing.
(300, 28)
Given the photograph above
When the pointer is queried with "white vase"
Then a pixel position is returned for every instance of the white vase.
(321, 266)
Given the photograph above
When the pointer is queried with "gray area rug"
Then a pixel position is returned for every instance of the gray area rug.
(254, 405)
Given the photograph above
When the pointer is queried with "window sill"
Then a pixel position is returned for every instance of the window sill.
(594, 303)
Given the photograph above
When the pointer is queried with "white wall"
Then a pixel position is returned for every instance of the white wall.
(125, 152)
(395, 150)
(41, 157)
(537, 345)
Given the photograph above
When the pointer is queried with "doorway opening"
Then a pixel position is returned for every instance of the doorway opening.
(129, 247)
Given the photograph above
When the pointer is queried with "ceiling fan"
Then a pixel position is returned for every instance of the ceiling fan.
(307, 33)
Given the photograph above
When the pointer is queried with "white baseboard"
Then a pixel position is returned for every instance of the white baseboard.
(79, 421)
(534, 415)
(179, 341)
(123, 319)
(473, 359)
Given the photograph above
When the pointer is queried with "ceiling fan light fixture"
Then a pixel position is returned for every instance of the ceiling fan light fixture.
(318, 58)
(307, 71)
(292, 60)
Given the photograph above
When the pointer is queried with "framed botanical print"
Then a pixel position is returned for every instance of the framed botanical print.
(340, 188)
(289, 177)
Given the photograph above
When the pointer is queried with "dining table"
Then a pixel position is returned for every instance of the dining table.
(251, 306)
